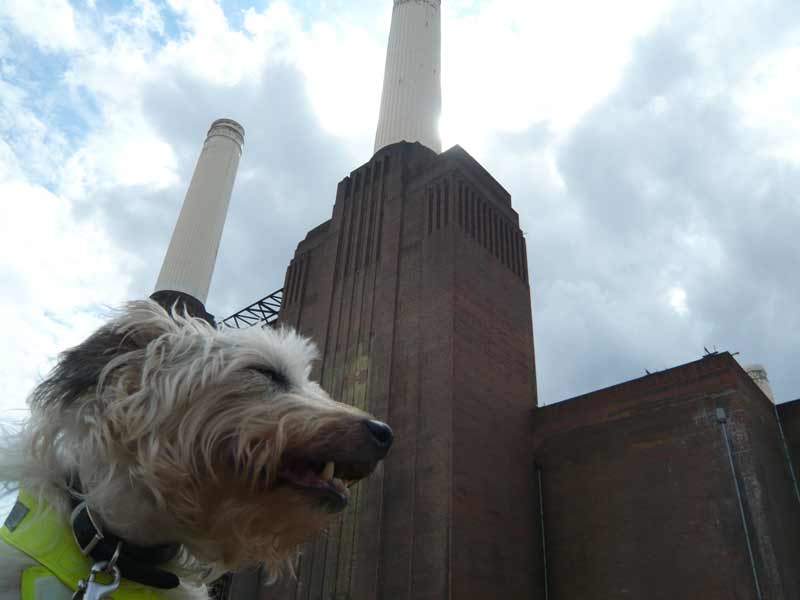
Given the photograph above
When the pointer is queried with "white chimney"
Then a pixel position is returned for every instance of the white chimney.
(412, 90)
(758, 373)
(189, 263)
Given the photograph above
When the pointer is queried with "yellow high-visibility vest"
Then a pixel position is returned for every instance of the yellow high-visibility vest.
(44, 535)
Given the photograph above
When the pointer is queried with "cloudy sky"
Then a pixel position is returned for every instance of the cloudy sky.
(652, 149)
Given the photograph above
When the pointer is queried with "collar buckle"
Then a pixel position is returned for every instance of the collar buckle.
(136, 563)
(97, 534)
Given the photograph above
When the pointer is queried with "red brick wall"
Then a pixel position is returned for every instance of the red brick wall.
(639, 499)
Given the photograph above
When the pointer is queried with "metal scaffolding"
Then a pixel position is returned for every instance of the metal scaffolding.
(262, 312)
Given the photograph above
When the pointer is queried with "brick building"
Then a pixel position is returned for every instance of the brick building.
(677, 484)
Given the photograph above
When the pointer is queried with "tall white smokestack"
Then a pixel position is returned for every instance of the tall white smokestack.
(758, 373)
(412, 90)
(189, 263)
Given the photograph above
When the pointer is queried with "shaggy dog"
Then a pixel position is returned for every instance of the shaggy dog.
(180, 435)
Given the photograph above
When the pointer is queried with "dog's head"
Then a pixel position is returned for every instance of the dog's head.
(215, 437)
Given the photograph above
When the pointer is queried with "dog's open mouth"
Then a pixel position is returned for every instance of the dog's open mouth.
(327, 480)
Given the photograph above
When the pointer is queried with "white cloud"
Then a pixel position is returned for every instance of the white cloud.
(769, 97)
(126, 63)
(57, 274)
(125, 154)
(210, 50)
(344, 67)
(41, 148)
(49, 23)
(677, 300)
(9, 164)
(203, 17)
(510, 64)
(342, 62)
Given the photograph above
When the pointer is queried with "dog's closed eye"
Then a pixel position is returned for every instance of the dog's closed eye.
(274, 376)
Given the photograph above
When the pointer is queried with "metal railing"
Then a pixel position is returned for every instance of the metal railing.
(262, 312)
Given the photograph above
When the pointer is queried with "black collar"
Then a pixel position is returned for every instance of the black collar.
(135, 562)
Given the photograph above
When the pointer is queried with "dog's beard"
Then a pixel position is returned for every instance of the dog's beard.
(240, 529)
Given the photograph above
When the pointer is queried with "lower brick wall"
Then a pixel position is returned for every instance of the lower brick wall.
(639, 498)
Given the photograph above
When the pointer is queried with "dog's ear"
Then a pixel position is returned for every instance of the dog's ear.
(79, 369)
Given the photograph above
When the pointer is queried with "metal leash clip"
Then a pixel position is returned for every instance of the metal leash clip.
(90, 589)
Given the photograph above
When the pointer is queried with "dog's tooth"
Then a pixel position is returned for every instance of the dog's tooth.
(327, 472)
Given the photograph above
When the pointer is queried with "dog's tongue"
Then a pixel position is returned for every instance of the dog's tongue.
(304, 476)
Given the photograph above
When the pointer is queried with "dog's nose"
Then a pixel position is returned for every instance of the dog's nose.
(380, 434)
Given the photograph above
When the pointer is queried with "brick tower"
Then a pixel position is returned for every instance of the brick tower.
(416, 291)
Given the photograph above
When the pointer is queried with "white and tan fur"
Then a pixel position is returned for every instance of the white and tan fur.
(177, 430)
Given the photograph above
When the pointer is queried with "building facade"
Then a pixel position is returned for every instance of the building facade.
(417, 293)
